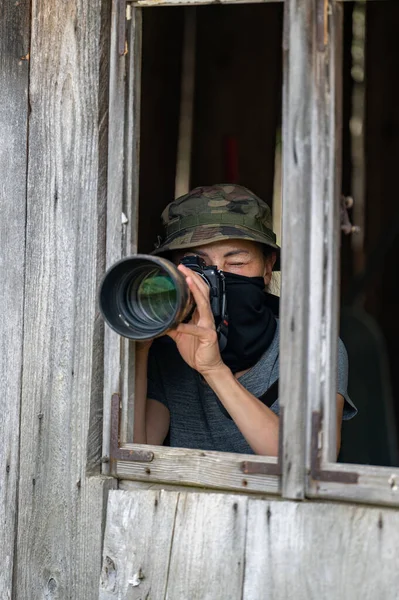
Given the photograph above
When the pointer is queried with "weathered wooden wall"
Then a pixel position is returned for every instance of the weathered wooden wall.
(176, 545)
(181, 545)
(53, 115)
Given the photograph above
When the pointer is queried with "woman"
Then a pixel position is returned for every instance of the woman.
(186, 388)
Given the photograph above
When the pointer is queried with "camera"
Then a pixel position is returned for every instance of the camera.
(214, 279)
(143, 296)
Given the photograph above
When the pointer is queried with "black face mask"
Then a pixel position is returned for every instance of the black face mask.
(251, 321)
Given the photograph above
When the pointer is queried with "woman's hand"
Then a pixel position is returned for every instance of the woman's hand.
(197, 340)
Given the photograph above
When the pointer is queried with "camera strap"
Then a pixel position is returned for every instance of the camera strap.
(223, 327)
(271, 395)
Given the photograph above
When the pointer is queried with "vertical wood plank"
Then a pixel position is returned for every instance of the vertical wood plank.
(60, 508)
(208, 553)
(312, 179)
(297, 125)
(131, 200)
(14, 74)
(174, 545)
(122, 207)
(318, 351)
(112, 341)
(95, 434)
(324, 234)
(137, 544)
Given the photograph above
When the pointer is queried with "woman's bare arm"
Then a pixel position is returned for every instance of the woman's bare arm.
(151, 418)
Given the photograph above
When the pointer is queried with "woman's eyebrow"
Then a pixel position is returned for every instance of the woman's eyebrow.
(235, 252)
(195, 251)
(230, 253)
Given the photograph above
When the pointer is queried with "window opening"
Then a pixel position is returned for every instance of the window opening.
(368, 291)
(228, 130)
(369, 453)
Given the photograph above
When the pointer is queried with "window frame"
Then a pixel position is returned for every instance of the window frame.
(124, 460)
(311, 164)
(328, 479)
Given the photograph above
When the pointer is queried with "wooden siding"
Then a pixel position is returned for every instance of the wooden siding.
(176, 544)
(60, 508)
(179, 545)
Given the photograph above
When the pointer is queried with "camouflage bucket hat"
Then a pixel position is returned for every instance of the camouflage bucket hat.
(214, 213)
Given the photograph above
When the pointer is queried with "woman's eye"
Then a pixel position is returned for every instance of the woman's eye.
(237, 264)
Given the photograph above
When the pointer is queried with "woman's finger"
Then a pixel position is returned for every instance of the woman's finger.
(200, 288)
(203, 287)
(202, 303)
(200, 332)
(200, 292)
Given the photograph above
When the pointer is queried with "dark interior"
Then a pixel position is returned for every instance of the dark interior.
(370, 282)
(237, 102)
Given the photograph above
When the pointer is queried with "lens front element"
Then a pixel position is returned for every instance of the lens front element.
(155, 297)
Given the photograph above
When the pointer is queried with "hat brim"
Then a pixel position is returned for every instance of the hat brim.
(208, 234)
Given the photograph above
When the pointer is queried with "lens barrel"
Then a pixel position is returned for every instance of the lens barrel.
(143, 296)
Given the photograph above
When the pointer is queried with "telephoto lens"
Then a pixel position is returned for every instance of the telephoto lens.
(142, 296)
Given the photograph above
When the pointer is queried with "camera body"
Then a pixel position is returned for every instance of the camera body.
(214, 279)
